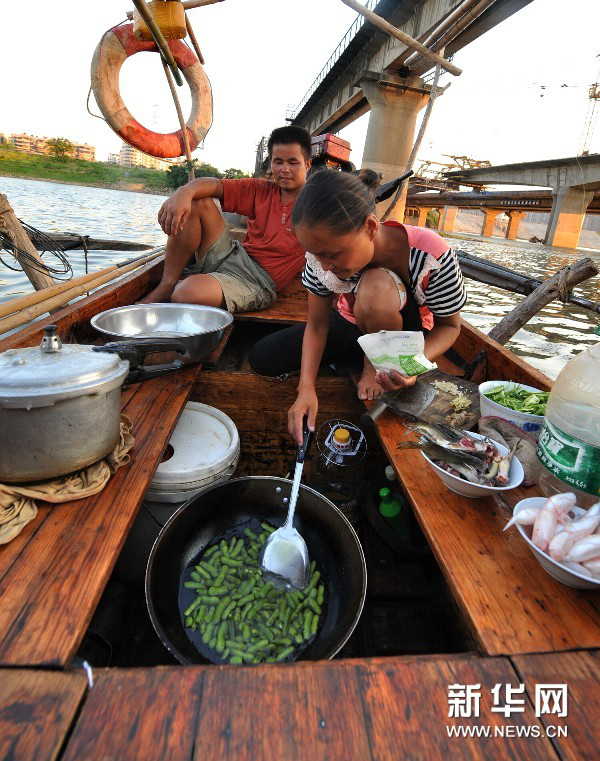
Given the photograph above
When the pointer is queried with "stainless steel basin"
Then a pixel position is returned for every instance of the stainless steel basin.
(201, 328)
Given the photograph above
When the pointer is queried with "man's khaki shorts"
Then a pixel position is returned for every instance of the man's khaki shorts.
(245, 284)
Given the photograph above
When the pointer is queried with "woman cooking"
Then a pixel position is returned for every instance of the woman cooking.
(386, 276)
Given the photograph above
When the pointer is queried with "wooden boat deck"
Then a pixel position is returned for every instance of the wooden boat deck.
(52, 575)
(356, 710)
(510, 603)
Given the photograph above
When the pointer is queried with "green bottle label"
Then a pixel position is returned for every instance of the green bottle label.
(573, 461)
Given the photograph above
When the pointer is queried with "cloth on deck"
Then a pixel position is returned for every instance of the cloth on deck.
(17, 503)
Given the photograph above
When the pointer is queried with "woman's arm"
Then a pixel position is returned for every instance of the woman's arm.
(313, 345)
(442, 336)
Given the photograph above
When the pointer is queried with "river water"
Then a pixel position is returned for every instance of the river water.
(548, 341)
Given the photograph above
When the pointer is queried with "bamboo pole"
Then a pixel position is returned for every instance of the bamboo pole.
(385, 26)
(182, 124)
(15, 305)
(193, 39)
(10, 225)
(159, 39)
(557, 286)
(30, 313)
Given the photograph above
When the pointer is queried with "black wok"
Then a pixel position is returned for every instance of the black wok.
(331, 541)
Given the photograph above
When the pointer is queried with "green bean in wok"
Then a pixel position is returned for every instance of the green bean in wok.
(242, 617)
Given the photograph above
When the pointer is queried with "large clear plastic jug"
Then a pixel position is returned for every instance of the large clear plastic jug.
(569, 444)
(337, 471)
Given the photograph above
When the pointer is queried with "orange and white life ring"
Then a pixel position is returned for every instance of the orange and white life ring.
(113, 50)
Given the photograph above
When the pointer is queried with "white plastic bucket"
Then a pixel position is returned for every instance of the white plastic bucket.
(206, 449)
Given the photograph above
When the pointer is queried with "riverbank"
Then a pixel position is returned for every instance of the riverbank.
(95, 174)
(125, 187)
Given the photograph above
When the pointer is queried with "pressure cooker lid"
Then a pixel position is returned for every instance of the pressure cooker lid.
(40, 375)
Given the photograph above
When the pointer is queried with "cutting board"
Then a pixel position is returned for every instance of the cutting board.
(429, 403)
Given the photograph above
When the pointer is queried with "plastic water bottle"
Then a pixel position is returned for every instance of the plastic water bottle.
(569, 444)
(337, 472)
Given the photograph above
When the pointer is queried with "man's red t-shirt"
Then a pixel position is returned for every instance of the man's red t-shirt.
(269, 240)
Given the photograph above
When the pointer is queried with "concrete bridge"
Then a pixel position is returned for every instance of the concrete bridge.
(515, 204)
(371, 71)
(574, 182)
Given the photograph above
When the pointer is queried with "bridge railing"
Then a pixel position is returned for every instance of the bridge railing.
(357, 24)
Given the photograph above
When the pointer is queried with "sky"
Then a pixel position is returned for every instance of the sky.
(261, 56)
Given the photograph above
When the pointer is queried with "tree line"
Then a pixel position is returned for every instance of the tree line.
(177, 174)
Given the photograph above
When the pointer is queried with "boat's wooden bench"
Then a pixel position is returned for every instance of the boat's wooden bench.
(352, 710)
(52, 575)
(290, 307)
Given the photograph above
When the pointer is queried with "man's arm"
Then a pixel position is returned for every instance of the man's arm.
(175, 211)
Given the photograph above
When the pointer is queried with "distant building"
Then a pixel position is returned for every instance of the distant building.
(22, 142)
(84, 151)
(39, 146)
(130, 156)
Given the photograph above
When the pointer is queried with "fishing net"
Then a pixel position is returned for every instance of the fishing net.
(60, 267)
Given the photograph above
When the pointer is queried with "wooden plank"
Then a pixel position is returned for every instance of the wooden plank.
(139, 714)
(502, 364)
(407, 711)
(51, 579)
(126, 291)
(294, 713)
(581, 673)
(290, 307)
(353, 710)
(511, 604)
(265, 446)
(37, 709)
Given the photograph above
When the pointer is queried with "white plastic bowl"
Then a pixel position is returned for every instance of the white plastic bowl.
(467, 489)
(531, 424)
(557, 570)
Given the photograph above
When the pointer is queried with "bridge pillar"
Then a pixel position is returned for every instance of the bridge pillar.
(395, 103)
(566, 218)
(489, 222)
(514, 222)
(448, 218)
(422, 219)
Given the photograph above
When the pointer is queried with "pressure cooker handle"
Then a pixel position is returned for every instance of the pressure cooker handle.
(135, 351)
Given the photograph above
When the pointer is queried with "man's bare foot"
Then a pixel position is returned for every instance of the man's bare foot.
(162, 292)
(368, 388)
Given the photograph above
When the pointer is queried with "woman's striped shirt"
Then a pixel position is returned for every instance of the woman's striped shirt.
(436, 280)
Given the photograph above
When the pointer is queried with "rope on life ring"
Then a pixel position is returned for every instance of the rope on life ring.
(112, 51)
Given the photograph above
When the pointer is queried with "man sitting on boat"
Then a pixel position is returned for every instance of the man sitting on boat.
(226, 273)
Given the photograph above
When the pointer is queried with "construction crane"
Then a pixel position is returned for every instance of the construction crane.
(590, 120)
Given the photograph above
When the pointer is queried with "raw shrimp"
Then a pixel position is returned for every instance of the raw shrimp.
(525, 517)
(547, 519)
(593, 566)
(587, 548)
(573, 531)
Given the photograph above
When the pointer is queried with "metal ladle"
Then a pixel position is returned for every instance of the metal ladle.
(284, 557)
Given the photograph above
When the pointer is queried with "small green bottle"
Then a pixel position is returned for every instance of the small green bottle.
(391, 509)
